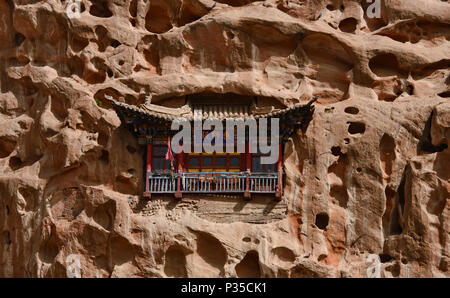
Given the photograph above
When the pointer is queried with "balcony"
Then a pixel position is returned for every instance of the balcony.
(214, 182)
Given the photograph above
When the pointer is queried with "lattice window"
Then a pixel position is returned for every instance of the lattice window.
(159, 162)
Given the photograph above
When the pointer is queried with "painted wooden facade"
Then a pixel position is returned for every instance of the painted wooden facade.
(207, 172)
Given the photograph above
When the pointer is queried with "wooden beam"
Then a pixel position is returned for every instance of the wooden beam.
(248, 162)
(279, 192)
(180, 161)
(147, 193)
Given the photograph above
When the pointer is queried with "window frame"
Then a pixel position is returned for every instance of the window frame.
(214, 167)
(166, 163)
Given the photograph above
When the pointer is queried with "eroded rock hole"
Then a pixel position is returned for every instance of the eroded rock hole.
(300, 271)
(249, 266)
(100, 9)
(133, 8)
(105, 215)
(396, 202)
(387, 216)
(336, 151)
(7, 238)
(101, 32)
(339, 193)
(103, 139)
(284, 254)
(27, 195)
(211, 251)
(131, 149)
(348, 25)
(115, 43)
(104, 157)
(395, 226)
(15, 163)
(236, 2)
(78, 43)
(18, 39)
(7, 146)
(401, 193)
(385, 65)
(410, 89)
(322, 220)
(190, 13)
(122, 250)
(175, 262)
(394, 269)
(356, 128)
(100, 96)
(158, 19)
(337, 179)
(351, 110)
(385, 258)
(445, 94)
(49, 249)
(95, 77)
(425, 144)
(387, 153)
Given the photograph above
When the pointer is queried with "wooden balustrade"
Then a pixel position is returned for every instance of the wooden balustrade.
(213, 182)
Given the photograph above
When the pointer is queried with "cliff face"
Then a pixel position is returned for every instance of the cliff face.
(367, 184)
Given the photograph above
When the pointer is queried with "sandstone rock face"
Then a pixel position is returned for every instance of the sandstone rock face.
(366, 186)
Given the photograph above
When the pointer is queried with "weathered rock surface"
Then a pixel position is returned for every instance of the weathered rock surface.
(370, 176)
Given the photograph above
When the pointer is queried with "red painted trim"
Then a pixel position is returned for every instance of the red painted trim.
(147, 193)
(149, 157)
(180, 159)
(248, 158)
(280, 173)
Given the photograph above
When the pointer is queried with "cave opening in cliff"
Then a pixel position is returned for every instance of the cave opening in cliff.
(239, 170)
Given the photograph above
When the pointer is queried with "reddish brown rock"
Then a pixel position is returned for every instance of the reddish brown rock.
(367, 183)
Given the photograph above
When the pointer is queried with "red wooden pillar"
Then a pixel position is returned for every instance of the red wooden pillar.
(248, 162)
(279, 191)
(180, 160)
(147, 193)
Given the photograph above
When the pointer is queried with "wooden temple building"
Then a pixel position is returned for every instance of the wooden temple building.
(207, 173)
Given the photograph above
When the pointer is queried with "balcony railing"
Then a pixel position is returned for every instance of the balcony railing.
(163, 184)
(214, 182)
(263, 182)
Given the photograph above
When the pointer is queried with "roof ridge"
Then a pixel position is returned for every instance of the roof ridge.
(167, 116)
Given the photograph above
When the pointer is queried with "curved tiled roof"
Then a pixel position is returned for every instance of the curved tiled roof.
(211, 112)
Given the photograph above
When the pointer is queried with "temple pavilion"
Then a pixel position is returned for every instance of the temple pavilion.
(208, 173)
